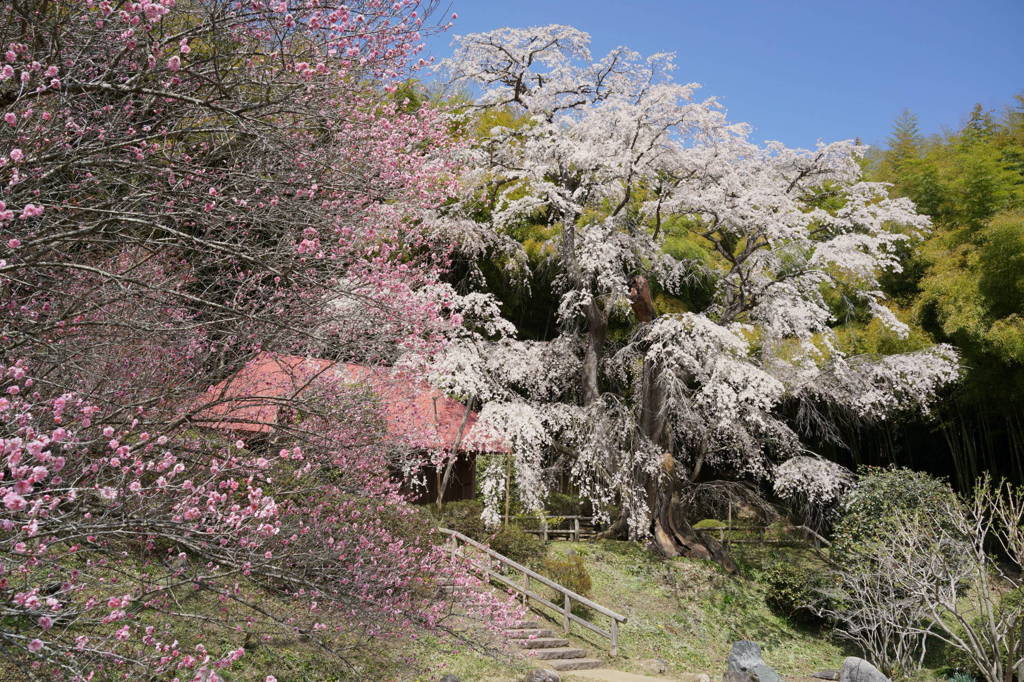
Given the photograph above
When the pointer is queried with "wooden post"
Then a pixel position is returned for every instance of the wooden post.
(508, 487)
(728, 521)
(526, 586)
(567, 610)
(615, 637)
(576, 528)
(544, 526)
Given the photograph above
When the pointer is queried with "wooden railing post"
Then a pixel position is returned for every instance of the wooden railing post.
(498, 568)
(576, 528)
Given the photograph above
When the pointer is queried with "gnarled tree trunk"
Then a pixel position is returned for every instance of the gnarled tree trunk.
(673, 535)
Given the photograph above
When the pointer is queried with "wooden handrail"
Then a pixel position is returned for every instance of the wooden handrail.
(568, 596)
(553, 516)
(545, 531)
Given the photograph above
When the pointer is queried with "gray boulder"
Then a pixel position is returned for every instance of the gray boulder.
(653, 666)
(858, 670)
(746, 665)
(450, 678)
(541, 675)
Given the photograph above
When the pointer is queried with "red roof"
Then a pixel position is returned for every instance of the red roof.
(416, 413)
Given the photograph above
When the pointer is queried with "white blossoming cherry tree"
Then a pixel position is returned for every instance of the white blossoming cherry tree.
(617, 162)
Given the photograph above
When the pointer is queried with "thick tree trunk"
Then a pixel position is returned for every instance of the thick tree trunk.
(597, 334)
(672, 533)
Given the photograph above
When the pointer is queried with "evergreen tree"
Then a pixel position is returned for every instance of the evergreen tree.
(905, 143)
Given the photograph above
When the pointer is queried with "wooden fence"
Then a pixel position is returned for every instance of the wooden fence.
(582, 528)
(524, 587)
(579, 527)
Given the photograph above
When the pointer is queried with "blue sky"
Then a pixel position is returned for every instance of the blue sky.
(801, 70)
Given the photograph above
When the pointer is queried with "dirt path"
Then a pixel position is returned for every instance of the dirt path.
(608, 675)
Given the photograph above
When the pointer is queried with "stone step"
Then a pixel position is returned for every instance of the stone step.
(557, 652)
(527, 633)
(525, 625)
(541, 643)
(573, 664)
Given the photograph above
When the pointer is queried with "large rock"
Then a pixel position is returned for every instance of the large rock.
(540, 675)
(450, 678)
(653, 666)
(858, 670)
(746, 665)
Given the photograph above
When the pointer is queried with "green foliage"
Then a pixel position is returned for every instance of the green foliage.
(517, 544)
(876, 339)
(793, 590)
(869, 510)
(569, 571)
(464, 516)
(960, 676)
(688, 612)
(1001, 265)
(564, 504)
(965, 285)
(511, 540)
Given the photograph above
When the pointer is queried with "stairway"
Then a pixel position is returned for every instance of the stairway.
(551, 652)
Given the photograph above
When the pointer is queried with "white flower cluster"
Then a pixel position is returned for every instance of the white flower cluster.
(812, 480)
(611, 158)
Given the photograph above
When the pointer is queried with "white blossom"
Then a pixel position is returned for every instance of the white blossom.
(812, 480)
(609, 156)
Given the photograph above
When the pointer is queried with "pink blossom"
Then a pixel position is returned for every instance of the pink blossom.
(11, 118)
(31, 211)
(35, 645)
(13, 501)
(17, 155)
(174, 63)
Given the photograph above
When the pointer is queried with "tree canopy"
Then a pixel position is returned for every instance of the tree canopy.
(699, 280)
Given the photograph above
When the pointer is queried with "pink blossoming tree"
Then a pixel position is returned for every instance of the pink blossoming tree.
(185, 185)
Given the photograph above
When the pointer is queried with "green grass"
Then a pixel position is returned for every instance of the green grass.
(688, 613)
(685, 612)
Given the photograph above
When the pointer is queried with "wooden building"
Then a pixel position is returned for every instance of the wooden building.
(259, 400)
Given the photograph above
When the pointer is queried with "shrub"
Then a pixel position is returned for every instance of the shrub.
(464, 516)
(563, 504)
(569, 571)
(517, 544)
(961, 676)
(896, 528)
(869, 511)
(512, 541)
(794, 591)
